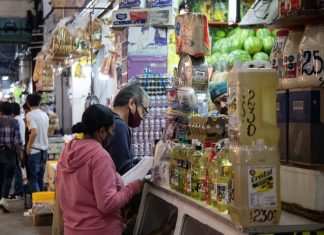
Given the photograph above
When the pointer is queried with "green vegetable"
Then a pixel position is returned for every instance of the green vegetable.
(261, 56)
(253, 45)
(218, 45)
(235, 31)
(245, 33)
(262, 33)
(238, 55)
(220, 34)
(268, 43)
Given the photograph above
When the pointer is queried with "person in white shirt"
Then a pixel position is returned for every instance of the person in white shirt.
(18, 179)
(36, 149)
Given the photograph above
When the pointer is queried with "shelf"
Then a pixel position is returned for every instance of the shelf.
(298, 18)
(221, 223)
(221, 24)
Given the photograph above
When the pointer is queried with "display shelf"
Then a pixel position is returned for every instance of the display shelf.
(210, 219)
(298, 18)
(221, 24)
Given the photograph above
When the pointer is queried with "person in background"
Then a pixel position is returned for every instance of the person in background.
(91, 193)
(129, 107)
(218, 95)
(18, 179)
(10, 147)
(36, 148)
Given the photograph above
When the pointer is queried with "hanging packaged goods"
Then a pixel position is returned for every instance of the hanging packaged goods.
(61, 43)
(81, 46)
(192, 35)
(95, 32)
(43, 74)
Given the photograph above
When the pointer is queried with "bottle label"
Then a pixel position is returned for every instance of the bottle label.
(233, 114)
(188, 182)
(262, 186)
(201, 185)
(213, 191)
(312, 64)
(291, 66)
(222, 193)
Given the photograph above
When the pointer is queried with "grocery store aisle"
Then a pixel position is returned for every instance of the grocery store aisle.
(14, 223)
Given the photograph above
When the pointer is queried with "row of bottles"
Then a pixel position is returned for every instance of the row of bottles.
(201, 173)
(298, 56)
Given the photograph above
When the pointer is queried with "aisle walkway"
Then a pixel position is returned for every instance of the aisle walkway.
(15, 223)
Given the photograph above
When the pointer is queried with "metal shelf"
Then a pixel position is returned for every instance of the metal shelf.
(298, 18)
(221, 24)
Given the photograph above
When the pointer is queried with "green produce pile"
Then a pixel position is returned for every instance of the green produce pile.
(230, 45)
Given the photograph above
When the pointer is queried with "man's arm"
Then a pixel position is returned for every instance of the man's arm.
(32, 137)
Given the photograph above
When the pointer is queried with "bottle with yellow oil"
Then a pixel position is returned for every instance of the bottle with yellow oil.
(223, 179)
(196, 192)
(255, 200)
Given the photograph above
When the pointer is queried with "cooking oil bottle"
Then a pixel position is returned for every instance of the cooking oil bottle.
(174, 173)
(204, 165)
(252, 103)
(188, 177)
(196, 191)
(224, 177)
(256, 196)
(213, 171)
(182, 165)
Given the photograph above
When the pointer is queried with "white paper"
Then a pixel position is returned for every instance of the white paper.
(139, 171)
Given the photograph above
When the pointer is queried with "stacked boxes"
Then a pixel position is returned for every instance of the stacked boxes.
(306, 126)
(282, 120)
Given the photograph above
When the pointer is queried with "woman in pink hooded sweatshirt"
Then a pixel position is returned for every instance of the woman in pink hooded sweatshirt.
(91, 193)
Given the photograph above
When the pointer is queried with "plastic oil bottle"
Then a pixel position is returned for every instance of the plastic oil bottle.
(174, 173)
(196, 193)
(256, 200)
(204, 166)
(213, 171)
(182, 165)
(188, 177)
(224, 177)
(252, 103)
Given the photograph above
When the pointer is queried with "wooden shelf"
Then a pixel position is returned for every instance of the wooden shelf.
(298, 18)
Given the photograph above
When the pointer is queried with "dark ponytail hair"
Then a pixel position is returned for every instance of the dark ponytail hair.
(94, 117)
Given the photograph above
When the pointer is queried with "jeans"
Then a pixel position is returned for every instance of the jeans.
(18, 182)
(36, 165)
(7, 171)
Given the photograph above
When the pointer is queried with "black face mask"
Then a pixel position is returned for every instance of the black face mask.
(107, 142)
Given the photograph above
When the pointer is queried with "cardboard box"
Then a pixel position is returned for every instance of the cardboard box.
(161, 3)
(162, 17)
(43, 220)
(147, 41)
(282, 122)
(303, 187)
(138, 65)
(306, 126)
(132, 4)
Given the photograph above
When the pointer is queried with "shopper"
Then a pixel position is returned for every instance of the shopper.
(130, 107)
(10, 148)
(91, 193)
(18, 179)
(218, 95)
(36, 149)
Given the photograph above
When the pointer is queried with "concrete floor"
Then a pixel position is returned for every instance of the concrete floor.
(15, 223)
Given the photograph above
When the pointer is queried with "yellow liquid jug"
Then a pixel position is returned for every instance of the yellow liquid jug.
(255, 187)
(252, 103)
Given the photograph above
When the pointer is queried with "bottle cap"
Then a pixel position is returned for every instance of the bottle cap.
(208, 144)
(198, 147)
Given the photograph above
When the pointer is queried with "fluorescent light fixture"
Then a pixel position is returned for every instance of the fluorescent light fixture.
(5, 78)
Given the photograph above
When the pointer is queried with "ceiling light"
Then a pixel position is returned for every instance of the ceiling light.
(5, 78)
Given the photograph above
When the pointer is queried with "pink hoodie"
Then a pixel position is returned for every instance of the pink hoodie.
(90, 191)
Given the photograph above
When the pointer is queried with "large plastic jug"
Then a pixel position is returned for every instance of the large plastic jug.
(255, 187)
(252, 103)
(312, 57)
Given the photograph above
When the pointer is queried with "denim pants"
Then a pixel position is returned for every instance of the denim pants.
(36, 165)
(7, 171)
(18, 180)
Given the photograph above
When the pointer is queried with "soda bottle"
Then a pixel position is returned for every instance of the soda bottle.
(195, 193)
(225, 175)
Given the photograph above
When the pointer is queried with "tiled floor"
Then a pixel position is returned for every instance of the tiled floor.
(14, 223)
